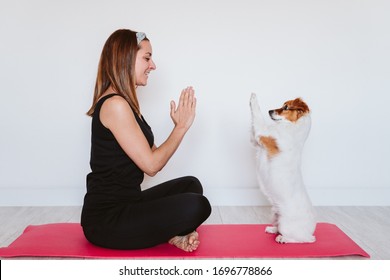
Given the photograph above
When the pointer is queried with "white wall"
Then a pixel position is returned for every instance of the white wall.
(334, 54)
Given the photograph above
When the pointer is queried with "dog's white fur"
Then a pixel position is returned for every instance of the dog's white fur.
(279, 147)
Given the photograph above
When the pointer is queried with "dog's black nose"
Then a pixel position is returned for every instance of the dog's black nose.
(270, 112)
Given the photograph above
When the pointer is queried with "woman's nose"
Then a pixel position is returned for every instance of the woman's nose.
(152, 65)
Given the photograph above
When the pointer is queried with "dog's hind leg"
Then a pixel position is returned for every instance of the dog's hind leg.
(274, 228)
(271, 229)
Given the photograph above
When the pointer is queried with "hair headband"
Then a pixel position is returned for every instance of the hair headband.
(140, 37)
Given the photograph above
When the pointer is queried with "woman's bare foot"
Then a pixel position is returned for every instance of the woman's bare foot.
(187, 243)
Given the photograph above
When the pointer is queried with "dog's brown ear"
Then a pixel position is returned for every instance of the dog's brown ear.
(300, 106)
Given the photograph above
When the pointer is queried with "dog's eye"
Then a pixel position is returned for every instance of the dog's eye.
(285, 107)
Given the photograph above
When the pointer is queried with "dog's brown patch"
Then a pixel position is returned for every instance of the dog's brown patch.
(292, 110)
(270, 145)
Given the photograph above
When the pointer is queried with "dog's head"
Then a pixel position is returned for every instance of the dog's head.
(291, 111)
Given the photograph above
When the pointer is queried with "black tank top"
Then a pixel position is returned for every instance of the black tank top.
(114, 178)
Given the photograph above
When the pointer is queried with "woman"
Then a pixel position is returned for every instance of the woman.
(116, 213)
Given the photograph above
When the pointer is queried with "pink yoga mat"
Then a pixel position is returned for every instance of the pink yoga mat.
(217, 241)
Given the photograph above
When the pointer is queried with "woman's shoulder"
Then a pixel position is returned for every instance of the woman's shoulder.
(115, 102)
(110, 96)
(114, 109)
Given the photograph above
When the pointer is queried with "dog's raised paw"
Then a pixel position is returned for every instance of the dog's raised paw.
(253, 99)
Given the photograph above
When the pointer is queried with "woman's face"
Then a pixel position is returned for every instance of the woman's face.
(143, 63)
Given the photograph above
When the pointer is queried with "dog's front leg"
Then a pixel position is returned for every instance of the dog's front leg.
(258, 124)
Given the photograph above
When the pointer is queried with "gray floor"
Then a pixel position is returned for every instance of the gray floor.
(367, 226)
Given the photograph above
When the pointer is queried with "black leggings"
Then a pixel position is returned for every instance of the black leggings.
(176, 207)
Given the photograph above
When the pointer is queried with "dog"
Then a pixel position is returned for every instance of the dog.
(279, 147)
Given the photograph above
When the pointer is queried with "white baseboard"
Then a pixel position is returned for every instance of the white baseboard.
(217, 197)
(319, 197)
(41, 196)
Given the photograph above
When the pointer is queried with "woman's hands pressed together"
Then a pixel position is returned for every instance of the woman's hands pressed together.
(183, 116)
(117, 116)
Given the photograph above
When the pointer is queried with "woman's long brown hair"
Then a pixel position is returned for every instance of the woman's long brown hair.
(116, 68)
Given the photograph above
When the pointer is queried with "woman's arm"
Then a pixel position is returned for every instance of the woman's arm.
(117, 116)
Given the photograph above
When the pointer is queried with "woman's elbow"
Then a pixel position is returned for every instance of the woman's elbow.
(152, 167)
(152, 171)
